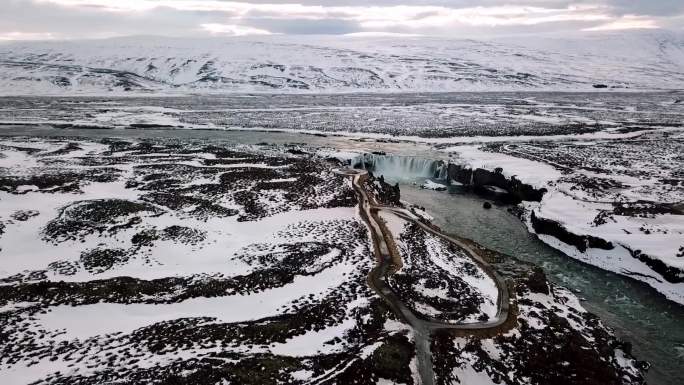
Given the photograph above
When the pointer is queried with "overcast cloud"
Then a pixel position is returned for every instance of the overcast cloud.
(74, 19)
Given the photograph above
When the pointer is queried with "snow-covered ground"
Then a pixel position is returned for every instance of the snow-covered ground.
(438, 279)
(436, 118)
(633, 60)
(626, 192)
(145, 261)
(489, 361)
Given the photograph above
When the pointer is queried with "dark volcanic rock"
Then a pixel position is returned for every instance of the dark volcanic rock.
(537, 282)
(384, 192)
(24, 215)
(479, 180)
(670, 273)
(102, 259)
(393, 358)
(460, 174)
(482, 177)
(555, 229)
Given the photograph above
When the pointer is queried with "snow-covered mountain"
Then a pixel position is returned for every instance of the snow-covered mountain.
(634, 60)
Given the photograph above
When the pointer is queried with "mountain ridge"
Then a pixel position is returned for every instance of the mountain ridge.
(645, 60)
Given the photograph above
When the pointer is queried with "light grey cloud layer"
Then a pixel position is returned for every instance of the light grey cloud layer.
(73, 19)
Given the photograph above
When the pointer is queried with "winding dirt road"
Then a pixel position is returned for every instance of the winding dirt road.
(423, 328)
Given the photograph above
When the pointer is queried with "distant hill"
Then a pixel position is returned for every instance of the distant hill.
(651, 59)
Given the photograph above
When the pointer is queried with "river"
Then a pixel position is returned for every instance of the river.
(637, 313)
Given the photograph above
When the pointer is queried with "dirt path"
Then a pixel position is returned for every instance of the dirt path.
(422, 327)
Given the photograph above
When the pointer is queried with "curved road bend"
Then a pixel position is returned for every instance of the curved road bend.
(422, 327)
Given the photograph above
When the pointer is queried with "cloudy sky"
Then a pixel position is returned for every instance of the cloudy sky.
(74, 19)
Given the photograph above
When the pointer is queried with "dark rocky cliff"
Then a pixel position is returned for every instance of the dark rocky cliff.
(480, 180)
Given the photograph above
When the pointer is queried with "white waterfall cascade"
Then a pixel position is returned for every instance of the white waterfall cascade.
(394, 167)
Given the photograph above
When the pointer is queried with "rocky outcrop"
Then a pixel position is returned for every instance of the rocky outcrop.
(537, 282)
(494, 184)
(669, 273)
(460, 174)
(383, 192)
(555, 229)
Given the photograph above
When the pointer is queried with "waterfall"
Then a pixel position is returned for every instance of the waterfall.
(443, 171)
(401, 167)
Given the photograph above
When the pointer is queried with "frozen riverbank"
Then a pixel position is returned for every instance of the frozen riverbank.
(613, 204)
